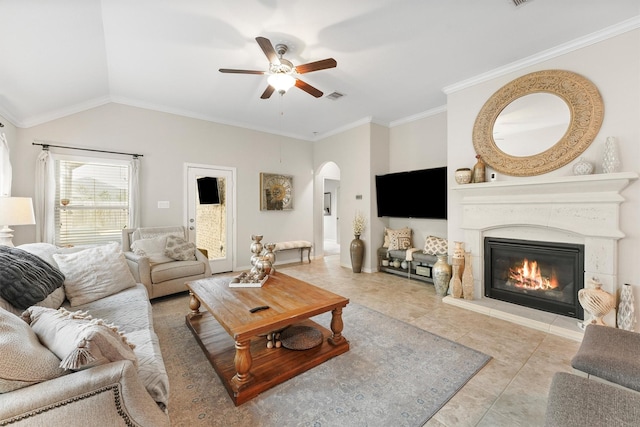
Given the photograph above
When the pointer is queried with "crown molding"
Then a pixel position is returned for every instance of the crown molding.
(419, 116)
(579, 43)
(363, 121)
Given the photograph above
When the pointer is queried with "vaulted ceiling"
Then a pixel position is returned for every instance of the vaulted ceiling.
(394, 57)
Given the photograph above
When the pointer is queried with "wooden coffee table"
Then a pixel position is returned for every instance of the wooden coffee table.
(233, 339)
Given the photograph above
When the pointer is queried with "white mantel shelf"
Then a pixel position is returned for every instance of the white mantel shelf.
(548, 189)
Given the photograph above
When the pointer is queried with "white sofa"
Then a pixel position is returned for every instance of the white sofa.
(114, 393)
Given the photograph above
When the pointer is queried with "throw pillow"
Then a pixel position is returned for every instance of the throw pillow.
(435, 245)
(94, 273)
(399, 239)
(152, 248)
(180, 249)
(77, 339)
(387, 239)
(26, 279)
(25, 361)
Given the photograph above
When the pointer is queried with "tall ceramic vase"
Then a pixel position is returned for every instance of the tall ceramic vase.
(456, 282)
(457, 258)
(441, 273)
(626, 310)
(357, 254)
(467, 277)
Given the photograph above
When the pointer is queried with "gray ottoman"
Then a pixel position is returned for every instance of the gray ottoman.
(581, 402)
(611, 354)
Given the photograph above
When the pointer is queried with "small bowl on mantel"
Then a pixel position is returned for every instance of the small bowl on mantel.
(463, 175)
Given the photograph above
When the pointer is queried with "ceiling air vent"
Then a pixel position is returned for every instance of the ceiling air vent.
(334, 96)
(520, 2)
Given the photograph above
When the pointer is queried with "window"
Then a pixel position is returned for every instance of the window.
(92, 200)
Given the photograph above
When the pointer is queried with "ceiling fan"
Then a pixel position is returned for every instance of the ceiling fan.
(282, 73)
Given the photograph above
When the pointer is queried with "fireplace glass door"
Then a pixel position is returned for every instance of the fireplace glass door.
(541, 275)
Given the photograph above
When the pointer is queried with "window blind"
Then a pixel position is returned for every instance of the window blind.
(92, 201)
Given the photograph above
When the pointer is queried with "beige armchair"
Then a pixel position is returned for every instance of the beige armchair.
(160, 275)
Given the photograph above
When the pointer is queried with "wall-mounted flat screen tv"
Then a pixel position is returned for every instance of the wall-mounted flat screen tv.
(414, 194)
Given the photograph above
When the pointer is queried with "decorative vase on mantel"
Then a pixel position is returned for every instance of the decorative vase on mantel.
(441, 273)
(479, 173)
(356, 251)
(611, 159)
(467, 277)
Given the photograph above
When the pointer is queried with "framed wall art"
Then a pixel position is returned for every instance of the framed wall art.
(327, 204)
(276, 192)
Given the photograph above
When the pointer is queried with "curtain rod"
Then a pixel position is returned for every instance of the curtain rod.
(46, 145)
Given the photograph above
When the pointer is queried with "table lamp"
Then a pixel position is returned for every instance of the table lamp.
(14, 211)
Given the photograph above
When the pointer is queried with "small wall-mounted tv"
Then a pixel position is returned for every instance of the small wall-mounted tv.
(413, 194)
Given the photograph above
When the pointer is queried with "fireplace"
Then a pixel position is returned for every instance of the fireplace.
(542, 275)
(581, 210)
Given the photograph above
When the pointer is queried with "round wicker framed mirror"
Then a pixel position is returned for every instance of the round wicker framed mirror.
(586, 112)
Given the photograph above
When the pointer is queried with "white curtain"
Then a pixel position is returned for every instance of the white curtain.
(45, 198)
(5, 164)
(134, 194)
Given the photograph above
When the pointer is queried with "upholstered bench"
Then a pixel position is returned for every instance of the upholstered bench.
(609, 354)
(300, 245)
(578, 401)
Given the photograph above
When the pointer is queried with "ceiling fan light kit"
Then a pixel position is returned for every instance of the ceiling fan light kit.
(282, 73)
(281, 82)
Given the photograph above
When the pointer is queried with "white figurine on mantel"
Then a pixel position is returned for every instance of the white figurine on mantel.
(595, 301)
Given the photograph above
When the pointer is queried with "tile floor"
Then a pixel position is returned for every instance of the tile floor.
(510, 391)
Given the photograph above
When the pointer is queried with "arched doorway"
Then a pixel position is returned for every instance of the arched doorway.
(329, 176)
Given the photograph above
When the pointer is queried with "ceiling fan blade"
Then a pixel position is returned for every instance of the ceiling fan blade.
(234, 71)
(308, 88)
(269, 51)
(317, 65)
(267, 92)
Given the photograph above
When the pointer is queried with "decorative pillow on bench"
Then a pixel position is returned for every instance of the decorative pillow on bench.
(399, 239)
(435, 245)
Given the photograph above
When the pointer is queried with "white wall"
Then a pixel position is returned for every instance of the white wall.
(351, 152)
(168, 142)
(419, 144)
(613, 66)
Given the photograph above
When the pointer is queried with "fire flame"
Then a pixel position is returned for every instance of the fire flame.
(529, 276)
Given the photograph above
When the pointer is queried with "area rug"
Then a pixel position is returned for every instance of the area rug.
(395, 374)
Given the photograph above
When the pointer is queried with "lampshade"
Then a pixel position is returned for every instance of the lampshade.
(14, 211)
(282, 82)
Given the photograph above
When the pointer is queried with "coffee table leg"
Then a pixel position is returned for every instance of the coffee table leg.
(194, 304)
(243, 363)
(336, 326)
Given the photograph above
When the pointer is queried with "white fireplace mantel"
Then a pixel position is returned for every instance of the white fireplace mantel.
(574, 209)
